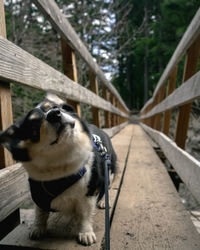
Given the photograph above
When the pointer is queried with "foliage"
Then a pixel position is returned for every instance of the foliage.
(131, 40)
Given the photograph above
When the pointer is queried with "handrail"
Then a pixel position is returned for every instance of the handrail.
(61, 24)
(156, 114)
(191, 34)
(17, 65)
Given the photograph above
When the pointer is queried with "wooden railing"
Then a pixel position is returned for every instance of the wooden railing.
(156, 113)
(18, 66)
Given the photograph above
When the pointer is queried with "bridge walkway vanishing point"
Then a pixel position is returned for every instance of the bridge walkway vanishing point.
(148, 213)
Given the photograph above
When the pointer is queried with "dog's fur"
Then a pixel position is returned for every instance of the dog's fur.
(53, 142)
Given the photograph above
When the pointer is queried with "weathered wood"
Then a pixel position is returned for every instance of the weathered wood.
(6, 117)
(114, 130)
(149, 214)
(17, 65)
(171, 87)
(189, 37)
(61, 24)
(112, 100)
(14, 189)
(184, 111)
(161, 95)
(187, 167)
(106, 113)
(185, 93)
(94, 88)
(59, 236)
(70, 70)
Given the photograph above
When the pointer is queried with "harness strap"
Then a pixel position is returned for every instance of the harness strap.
(43, 192)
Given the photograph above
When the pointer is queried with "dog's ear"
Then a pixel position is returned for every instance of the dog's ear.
(10, 140)
(7, 136)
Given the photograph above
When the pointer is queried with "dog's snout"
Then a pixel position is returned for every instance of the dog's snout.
(54, 115)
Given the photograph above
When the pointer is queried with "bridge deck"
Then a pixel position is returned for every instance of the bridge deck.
(148, 214)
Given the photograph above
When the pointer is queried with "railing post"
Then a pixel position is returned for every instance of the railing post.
(112, 100)
(171, 87)
(106, 113)
(94, 88)
(190, 69)
(70, 69)
(160, 97)
(6, 117)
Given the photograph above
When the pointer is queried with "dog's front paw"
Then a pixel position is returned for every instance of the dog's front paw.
(87, 238)
(37, 233)
(102, 205)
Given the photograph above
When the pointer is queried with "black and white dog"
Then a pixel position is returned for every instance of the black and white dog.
(63, 162)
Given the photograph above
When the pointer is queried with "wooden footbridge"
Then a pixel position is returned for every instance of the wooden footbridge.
(146, 211)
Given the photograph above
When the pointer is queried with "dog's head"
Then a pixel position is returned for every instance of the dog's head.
(42, 128)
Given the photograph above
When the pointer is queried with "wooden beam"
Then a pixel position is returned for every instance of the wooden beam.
(112, 100)
(17, 65)
(184, 94)
(161, 95)
(60, 23)
(94, 88)
(189, 37)
(70, 69)
(6, 118)
(106, 113)
(171, 87)
(190, 69)
(187, 167)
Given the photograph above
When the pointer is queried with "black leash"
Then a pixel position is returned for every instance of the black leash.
(107, 216)
(103, 151)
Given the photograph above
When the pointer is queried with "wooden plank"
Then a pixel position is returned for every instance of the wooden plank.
(190, 69)
(6, 117)
(114, 130)
(182, 95)
(158, 118)
(191, 34)
(112, 100)
(106, 113)
(17, 65)
(94, 88)
(187, 167)
(171, 87)
(14, 189)
(59, 237)
(149, 214)
(70, 69)
(61, 24)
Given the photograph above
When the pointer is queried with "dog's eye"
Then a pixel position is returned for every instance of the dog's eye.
(68, 108)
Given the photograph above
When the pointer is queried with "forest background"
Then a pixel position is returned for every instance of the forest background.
(131, 40)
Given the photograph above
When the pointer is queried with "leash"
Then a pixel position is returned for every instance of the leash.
(103, 151)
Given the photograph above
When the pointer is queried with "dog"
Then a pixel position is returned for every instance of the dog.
(64, 164)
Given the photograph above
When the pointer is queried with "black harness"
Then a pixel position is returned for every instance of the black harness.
(43, 192)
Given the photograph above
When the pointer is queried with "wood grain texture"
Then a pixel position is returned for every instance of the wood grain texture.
(19, 66)
(190, 69)
(70, 69)
(6, 117)
(61, 24)
(184, 94)
(95, 89)
(149, 214)
(170, 89)
(191, 34)
(187, 167)
(14, 189)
